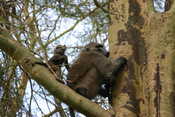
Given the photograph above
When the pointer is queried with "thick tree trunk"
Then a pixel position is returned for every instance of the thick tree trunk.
(147, 39)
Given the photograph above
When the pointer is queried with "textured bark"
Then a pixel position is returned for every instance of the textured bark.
(146, 38)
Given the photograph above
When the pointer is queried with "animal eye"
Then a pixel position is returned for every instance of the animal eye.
(99, 46)
(58, 47)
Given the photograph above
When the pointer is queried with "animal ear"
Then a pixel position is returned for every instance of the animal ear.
(64, 46)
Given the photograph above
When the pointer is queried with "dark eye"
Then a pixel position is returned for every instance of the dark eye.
(57, 47)
(99, 46)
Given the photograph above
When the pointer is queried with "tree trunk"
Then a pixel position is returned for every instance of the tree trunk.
(146, 38)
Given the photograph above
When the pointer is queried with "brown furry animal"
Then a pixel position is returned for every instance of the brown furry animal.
(92, 69)
(94, 73)
(56, 61)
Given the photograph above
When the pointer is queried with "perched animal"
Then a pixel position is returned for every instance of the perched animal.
(93, 72)
(57, 60)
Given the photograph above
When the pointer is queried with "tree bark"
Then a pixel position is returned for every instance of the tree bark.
(146, 38)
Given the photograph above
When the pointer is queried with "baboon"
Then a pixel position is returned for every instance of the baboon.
(56, 61)
(92, 69)
(93, 73)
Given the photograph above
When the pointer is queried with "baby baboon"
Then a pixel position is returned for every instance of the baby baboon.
(56, 61)
(93, 72)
